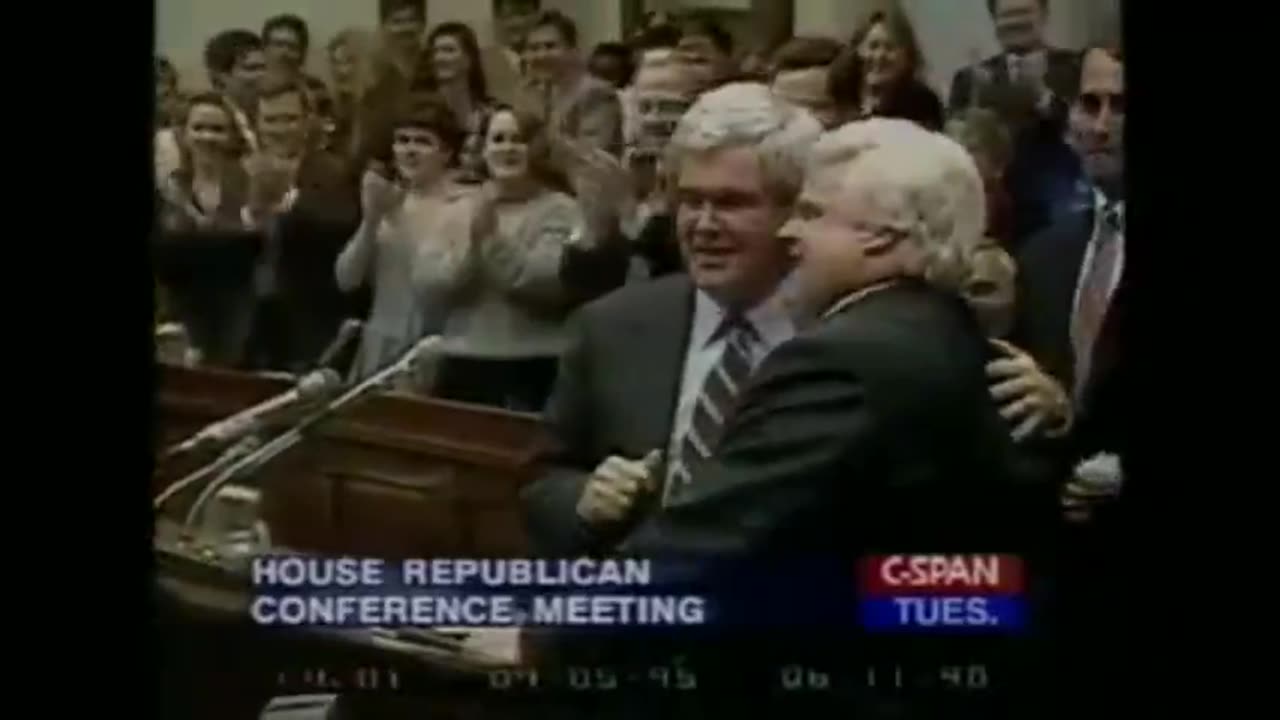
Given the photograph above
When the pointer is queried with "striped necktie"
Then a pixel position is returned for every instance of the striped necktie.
(716, 401)
(1095, 296)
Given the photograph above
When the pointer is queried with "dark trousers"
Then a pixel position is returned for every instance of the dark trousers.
(519, 385)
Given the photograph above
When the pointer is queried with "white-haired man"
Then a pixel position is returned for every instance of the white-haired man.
(646, 365)
(662, 94)
(873, 429)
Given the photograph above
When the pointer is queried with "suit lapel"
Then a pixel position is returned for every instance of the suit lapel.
(661, 338)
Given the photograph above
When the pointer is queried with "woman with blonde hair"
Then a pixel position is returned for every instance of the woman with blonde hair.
(985, 136)
(204, 251)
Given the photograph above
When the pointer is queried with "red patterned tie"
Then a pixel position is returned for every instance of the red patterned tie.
(1095, 296)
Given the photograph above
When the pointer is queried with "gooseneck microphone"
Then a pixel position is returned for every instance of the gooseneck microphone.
(250, 463)
(310, 388)
(349, 331)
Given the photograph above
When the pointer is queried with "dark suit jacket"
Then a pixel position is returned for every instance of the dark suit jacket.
(311, 235)
(207, 270)
(1014, 106)
(914, 101)
(657, 246)
(1091, 564)
(589, 273)
(873, 431)
(1044, 171)
(1048, 267)
(616, 392)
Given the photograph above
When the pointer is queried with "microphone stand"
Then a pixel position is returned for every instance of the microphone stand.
(308, 389)
(286, 441)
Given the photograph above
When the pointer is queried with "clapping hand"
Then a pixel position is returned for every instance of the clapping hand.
(485, 215)
(378, 196)
(1026, 394)
(615, 486)
(600, 183)
(268, 182)
(1031, 78)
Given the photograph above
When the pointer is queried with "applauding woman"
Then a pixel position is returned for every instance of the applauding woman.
(204, 251)
(416, 212)
(878, 74)
(505, 326)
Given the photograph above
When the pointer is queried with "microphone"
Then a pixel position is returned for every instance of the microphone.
(408, 362)
(311, 387)
(350, 329)
(251, 463)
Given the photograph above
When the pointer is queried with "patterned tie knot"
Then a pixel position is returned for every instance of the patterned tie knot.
(1113, 218)
(736, 328)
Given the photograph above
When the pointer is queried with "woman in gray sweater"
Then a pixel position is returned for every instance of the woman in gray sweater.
(505, 323)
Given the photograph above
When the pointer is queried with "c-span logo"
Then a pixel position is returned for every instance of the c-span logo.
(975, 593)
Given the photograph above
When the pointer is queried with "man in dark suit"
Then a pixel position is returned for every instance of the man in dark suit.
(637, 359)
(1071, 314)
(304, 201)
(1069, 274)
(560, 91)
(880, 410)
(873, 430)
(1029, 80)
(1029, 85)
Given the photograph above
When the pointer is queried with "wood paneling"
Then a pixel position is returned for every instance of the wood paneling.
(394, 476)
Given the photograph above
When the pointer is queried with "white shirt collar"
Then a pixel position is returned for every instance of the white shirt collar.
(769, 318)
(1011, 58)
(853, 297)
(1101, 205)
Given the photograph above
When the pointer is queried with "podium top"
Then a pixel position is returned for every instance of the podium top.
(482, 436)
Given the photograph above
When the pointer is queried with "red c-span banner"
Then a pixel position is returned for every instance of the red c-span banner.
(940, 574)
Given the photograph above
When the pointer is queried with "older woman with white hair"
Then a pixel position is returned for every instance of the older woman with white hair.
(872, 428)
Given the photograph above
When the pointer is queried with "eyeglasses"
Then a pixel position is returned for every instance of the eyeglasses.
(1091, 103)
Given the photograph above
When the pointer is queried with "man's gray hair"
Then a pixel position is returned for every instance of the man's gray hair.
(918, 183)
(746, 114)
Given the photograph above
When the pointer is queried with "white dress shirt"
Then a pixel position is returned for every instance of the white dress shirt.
(1019, 65)
(771, 322)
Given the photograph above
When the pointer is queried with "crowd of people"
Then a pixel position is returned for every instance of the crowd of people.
(623, 239)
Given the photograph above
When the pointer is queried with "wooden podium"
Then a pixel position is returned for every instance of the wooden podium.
(393, 476)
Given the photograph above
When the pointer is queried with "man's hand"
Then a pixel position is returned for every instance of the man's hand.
(1026, 394)
(1094, 481)
(268, 183)
(615, 485)
(1032, 80)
